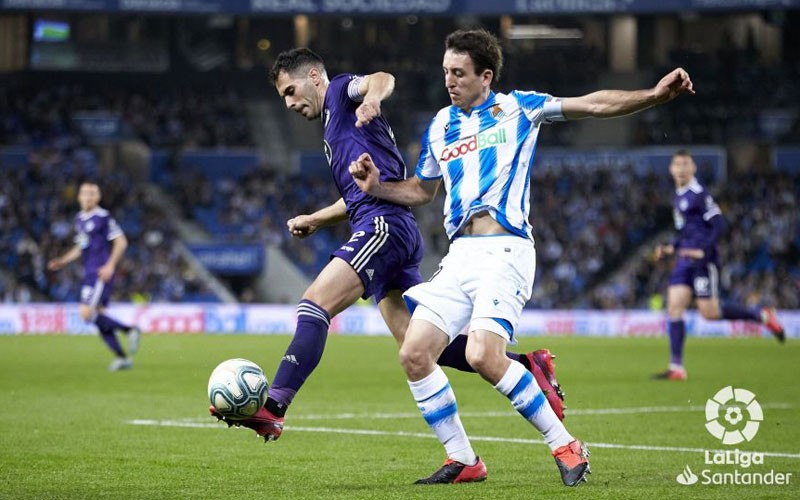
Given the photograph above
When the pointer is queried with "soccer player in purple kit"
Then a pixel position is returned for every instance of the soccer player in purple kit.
(100, 242)
(381, 258)
(699, 223)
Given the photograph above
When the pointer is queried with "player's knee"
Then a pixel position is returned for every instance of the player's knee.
(675, 311)
(710, 312)
(86, 314)
(481, 359)
(415, 361)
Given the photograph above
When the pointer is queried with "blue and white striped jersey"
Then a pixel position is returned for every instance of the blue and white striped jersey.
(485, 157)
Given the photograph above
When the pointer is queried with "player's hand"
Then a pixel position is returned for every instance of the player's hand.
(675, 83)
(54, 265)
(302, 226)
(663, 251)
(366, 174)
(692, 253)
(367, 111)
(106, 272)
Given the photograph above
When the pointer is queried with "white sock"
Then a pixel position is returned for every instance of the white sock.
(519, 386)
(437, 402)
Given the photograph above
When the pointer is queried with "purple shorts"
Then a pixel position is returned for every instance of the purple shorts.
(701, 276)
(94, 292)
(386, 252)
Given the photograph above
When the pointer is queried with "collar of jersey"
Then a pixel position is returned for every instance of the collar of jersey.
(692, 184)
(91, 213)
(489, 102)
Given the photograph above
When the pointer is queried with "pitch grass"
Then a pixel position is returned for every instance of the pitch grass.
(64, 432)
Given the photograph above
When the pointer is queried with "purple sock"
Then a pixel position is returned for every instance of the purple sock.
(739, 312)
(108, 336)
(302, 355)
(677, 335)
(107, 322)
(454, 355)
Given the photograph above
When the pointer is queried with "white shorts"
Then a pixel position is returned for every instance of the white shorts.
(480, 280)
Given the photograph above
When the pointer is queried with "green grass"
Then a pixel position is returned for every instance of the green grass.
(64, 431)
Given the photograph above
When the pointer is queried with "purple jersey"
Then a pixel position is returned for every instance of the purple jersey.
(94, 232)
(344, 143)
(693, 210)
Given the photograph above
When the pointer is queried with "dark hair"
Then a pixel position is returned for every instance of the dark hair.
(293, 60)
(682, 152)
(481, 46)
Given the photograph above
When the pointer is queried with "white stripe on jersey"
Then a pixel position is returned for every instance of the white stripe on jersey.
(485, 157)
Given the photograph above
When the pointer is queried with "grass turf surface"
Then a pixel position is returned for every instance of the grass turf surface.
(66, 433)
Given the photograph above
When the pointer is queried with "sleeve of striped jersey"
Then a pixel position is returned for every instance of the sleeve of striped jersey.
(538, 107)
(427, 166)
(352, 88)
(114, 231)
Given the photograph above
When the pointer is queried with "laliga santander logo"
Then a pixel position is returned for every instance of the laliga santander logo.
(733, 415)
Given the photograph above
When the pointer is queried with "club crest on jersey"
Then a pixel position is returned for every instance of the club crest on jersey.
(497, 112)
(474, 143)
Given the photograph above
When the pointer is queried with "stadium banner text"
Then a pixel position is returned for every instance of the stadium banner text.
(392, 7)
(229, 259)
(255, 319)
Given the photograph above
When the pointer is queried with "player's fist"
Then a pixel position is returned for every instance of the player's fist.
(675, 83)
(366, 174)
(301, 226)
(366, 112)
(54, 265)
(663, 251)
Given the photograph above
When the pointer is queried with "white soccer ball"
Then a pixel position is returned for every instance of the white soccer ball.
(237, 388)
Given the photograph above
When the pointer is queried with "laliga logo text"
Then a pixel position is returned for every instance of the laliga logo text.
(733, 415)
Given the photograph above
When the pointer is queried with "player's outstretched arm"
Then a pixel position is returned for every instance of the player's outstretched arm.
(614, 103)
(375, 88)
(306, 225)
(59, 262)
(409, 192)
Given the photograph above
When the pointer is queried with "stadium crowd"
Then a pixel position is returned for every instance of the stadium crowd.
(759, 249)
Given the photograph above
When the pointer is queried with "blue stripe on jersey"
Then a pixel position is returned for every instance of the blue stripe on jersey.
(453, 133)
(527, 223)
(455, 168)
(424, 151)
(523, 129)
(488, 157)
(529, 100)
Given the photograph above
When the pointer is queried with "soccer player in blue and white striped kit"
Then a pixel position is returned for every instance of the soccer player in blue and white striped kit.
(482, 148)
(382, 257)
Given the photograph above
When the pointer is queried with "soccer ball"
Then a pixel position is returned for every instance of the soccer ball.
(237, 388)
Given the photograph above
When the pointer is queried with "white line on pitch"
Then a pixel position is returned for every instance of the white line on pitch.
(372, 432)
(502, 414)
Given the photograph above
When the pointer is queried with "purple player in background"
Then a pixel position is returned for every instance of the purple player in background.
(382, 257)
(699, 223)
(100, 243)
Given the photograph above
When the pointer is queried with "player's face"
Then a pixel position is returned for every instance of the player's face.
(466, 89)
(88, 196)
(300, 92)
(682, 169)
